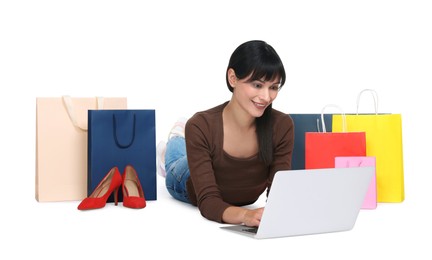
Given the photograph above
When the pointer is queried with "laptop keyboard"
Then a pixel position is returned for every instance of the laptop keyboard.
(250, 229)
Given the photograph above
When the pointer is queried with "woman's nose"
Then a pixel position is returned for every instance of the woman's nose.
(265, 94)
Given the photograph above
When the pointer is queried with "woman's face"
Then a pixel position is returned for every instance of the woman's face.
(254, 96)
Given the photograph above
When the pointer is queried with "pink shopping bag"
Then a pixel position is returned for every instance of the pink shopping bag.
(370, 201)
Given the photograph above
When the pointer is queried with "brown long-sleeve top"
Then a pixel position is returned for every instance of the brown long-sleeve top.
(218, 180)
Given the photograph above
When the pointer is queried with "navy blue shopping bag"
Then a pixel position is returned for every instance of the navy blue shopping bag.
(117, 138)
(306, 123)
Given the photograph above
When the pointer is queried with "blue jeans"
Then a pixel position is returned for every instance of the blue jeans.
(177, 169)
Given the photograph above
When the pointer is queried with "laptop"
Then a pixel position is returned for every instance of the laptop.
(314, 201)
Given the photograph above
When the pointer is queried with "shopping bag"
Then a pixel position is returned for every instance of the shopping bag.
(61, 145)
(384, 142)
(370, 201)
(120, 138)
(321, 148)
(304, 123)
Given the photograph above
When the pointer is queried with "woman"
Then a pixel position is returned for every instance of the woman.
(234, 149)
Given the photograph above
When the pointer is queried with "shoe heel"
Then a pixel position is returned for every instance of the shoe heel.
(109, 184)
(116, 196)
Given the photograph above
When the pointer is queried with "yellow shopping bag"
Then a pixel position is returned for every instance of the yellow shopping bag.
(384, 141)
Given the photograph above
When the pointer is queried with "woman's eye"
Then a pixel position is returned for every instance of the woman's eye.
(257, 85)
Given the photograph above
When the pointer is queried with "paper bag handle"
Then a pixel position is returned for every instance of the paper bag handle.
(71, 112)
(344, 128)
(375, 98)
(124, 146)
(359, 164)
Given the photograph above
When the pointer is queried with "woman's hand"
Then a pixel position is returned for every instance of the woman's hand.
(238, 215)
(252, 217)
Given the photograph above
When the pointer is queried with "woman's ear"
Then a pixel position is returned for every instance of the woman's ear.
(232, 78)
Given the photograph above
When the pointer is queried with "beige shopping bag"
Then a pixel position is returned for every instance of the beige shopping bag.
(61, 145)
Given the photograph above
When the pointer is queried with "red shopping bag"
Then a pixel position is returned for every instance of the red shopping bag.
(321, 148)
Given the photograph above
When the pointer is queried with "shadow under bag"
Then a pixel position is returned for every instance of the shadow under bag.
(120, 138)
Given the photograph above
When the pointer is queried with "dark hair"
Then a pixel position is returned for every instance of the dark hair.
(258, 60)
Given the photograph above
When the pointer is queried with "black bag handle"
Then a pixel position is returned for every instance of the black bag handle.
(124, 146)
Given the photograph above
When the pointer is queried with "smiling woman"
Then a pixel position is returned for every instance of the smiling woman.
(229, 154)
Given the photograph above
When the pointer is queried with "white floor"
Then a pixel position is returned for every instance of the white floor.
(169, 229)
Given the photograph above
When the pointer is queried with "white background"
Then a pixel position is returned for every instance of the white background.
(171, 56)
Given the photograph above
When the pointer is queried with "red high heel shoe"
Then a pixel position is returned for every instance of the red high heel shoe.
(110, 183)
(133, 195)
